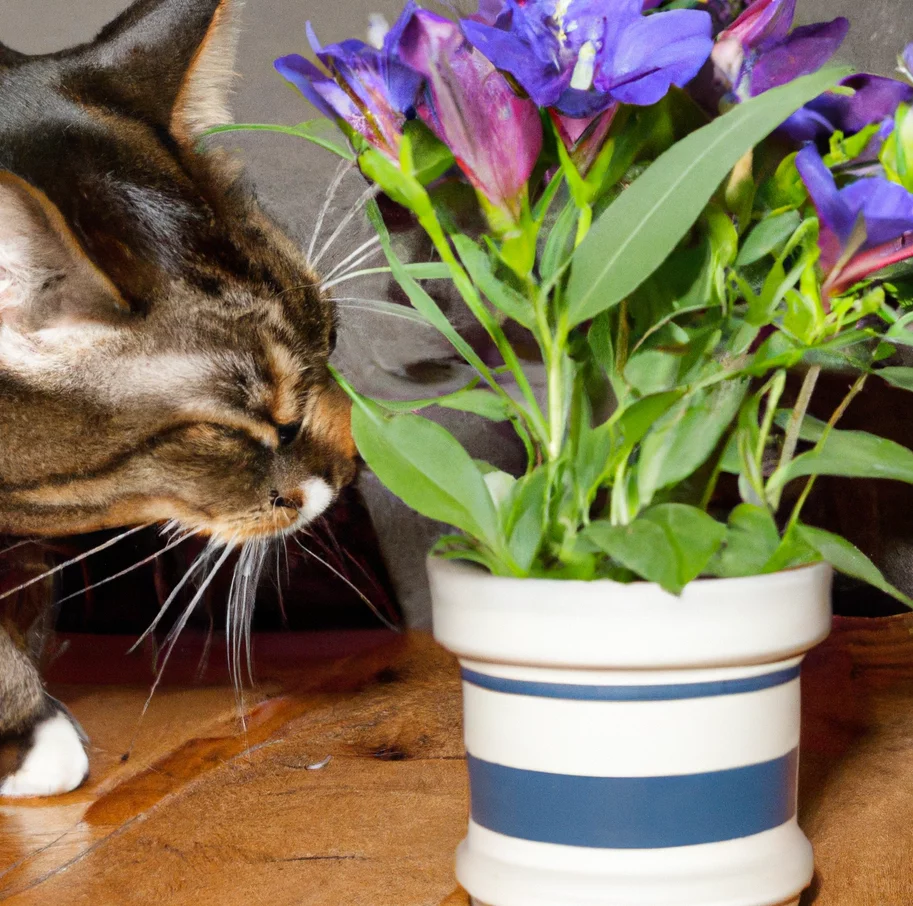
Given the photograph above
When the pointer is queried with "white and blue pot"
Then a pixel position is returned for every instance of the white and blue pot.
(627, 747)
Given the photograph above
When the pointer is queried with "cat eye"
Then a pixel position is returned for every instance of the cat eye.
(288, 433)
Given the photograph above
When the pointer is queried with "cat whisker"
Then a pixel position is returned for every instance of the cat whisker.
(371, 606)
(17, 545)
(364, 259)
(110, 543)
(356, 209)
(178, 627)
(279, 595)
(353, 275)
(372, 244)
(383, 307)
(338, 177)
(200, 560)
(239, 615)
(129, 569)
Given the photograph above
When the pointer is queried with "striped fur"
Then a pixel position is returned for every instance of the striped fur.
(163, 345)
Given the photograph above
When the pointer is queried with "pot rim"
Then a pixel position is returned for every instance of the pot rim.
(605, 624)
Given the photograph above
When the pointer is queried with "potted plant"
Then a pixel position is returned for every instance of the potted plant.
(688, 218)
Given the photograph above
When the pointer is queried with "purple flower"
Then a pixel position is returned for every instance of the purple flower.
(876, 100)
(579, 56)
(884, 209)
(758, 52)
(364, 86)
(494, 135)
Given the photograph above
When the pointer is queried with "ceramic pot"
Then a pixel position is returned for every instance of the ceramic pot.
(627, 747)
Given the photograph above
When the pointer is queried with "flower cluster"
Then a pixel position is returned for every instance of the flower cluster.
(675, 202)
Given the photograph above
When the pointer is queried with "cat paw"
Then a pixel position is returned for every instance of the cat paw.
(55, 763)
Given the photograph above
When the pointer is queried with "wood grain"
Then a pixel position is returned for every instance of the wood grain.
(205, 812)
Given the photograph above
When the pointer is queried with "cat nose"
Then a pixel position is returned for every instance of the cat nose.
(293, 501)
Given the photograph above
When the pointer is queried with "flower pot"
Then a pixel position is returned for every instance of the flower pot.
(627, 747)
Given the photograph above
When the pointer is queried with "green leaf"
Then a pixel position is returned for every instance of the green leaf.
(752, 539)
(478, 402)
(429, 157)
(469, 399)
(314, 131)
(793, 551)
(850, 454)
(642, 547)
(694, 535)
(560, 243)
(642, 227)
(897, 376)
(526, 521)
(849, 560)
(652, 370)
(426, 467)
(402, 187)
(637, 419)
(503, 296)
(670, 544)
(683, 439)
(768, 237)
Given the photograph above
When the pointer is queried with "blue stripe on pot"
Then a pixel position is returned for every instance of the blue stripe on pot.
(672, 692)
(634, 812)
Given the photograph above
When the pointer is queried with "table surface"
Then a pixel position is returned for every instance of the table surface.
(205, 811)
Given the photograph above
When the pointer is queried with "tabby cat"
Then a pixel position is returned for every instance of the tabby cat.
(163, 346)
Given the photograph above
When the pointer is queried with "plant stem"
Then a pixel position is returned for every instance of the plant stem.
(838, 414)
(470, 296)
(795, 424)
(555, 405)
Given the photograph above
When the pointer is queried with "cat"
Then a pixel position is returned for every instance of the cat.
(163, 344)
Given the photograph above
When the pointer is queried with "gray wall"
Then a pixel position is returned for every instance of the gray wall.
(292, 178)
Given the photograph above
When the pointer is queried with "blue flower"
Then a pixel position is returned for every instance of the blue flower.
(875, 100)
(864, 227)
(366, 87)
(580, 56)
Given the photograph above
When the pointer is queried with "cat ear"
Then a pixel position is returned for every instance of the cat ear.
(46, 279)
(173, 60)
(10, 57)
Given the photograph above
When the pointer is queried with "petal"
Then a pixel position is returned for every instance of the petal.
(317, 87)
(489, 11)
(764, 20)
(577, 104)
(316, 46)
(805, 51)
(886, 206)
(655, 52)
(395, 34)
(538, 77)
(837, 218)
(494, 135)
(876, 99)
(808, 125)
(907, 60)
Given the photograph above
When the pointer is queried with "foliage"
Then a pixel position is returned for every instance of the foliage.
(664, 250)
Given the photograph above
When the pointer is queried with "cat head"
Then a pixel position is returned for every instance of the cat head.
(163, 345)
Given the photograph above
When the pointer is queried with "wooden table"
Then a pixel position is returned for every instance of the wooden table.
(206, 812)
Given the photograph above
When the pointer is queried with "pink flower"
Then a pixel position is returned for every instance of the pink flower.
(494, 135)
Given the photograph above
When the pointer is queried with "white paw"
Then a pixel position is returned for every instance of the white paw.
(56, 762)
